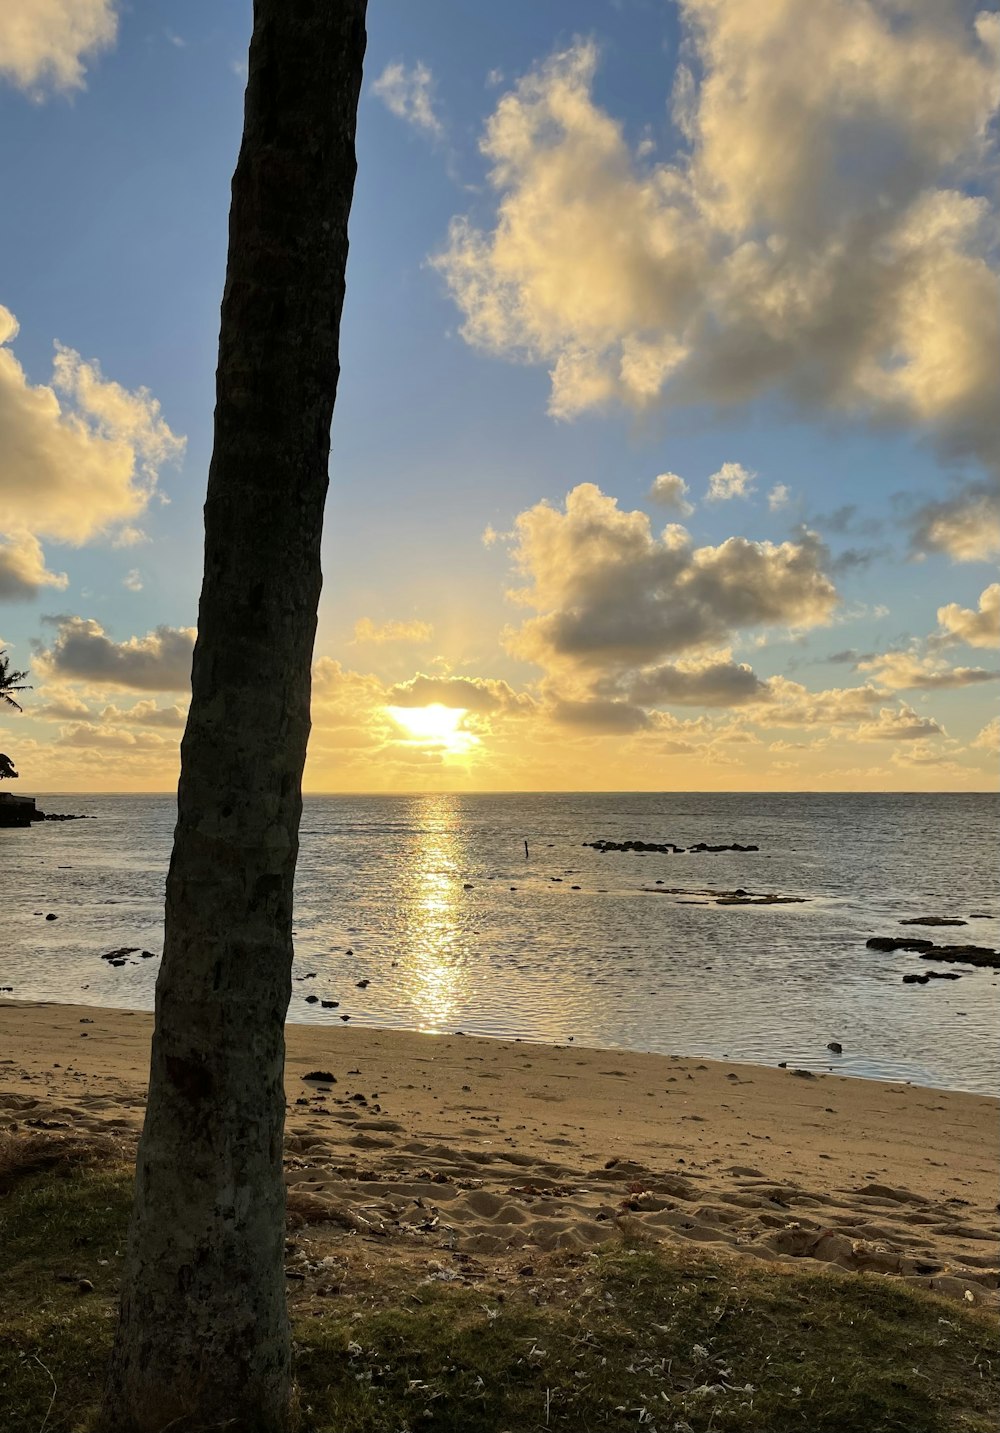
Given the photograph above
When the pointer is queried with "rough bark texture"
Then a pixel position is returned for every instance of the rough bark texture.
(203, 1335)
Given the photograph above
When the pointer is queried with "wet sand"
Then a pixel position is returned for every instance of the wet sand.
(498, 1148)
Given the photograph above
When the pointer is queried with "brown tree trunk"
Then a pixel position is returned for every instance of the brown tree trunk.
(202, 1339)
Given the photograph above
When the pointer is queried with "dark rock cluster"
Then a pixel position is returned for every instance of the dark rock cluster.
(977, 955)
(933, 920)
(663, 848)
(980, 955)
(739, 897)
(120, 956)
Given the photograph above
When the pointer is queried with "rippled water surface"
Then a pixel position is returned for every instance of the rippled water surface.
(432, 901)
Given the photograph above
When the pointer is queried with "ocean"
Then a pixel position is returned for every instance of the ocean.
(431, 900)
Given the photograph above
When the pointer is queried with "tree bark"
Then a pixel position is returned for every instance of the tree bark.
(202, 1339)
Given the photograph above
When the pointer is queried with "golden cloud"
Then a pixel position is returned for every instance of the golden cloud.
(611, 596)
(979, 628)
(43, 43)
(768, 258)
(85, 464)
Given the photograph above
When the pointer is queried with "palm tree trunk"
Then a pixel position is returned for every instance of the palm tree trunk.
(203, 1336)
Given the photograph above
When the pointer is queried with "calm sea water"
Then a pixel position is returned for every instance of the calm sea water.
(432, 901)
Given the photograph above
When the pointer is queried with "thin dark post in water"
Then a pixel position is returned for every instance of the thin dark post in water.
(525, 850)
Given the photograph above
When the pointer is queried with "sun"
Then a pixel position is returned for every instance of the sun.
(435, 725)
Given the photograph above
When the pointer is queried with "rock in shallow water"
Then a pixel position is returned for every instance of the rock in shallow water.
(933, 920)
(979, 955)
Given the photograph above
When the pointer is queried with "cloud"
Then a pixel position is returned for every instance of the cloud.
(778, 497)
(989, 738)
(784, 746)
(82, 465)
(365, 630)
(732, 480)
(854, 559)
(902, 724)
(484, 695)
(145, 713)
(82, 651)
(924, 753)
(814, 241)
(611, 596)
(341, 697)
(61, 704)
(96, 737)
(22, 568)
(980, 628)
(409, 95)
(132, 580)
(848, 520)
(713, 683)
(670, 491)
(600, 717)
(789, 704)
(908, 671)
(965, 527)
(43, 43)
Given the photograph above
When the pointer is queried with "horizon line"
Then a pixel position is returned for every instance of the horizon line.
(583, 791)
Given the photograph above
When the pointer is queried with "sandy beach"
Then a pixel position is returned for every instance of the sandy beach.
(500, 1148)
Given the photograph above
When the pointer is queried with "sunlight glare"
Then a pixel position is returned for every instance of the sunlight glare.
(435, 725)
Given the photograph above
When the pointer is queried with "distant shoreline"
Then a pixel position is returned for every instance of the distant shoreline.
(564, 791)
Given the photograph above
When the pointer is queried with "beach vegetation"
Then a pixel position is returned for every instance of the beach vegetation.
(389, 1338)
(11, 681)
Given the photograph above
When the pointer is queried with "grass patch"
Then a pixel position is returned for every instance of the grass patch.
(665, 1340)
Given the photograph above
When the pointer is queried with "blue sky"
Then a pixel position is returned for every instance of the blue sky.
(114, 244)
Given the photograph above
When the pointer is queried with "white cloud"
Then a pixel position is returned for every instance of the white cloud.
(365, 630)
(965, 527)
(22, 568)
(671, 492)
(922, 752)
(781, 254)
(789, 704)
(909, 671)
(899, 724)
(409, 94)
(82, 651)
(989, 738)
(979, 628)
(75, 467)
(132, 580)
(611, 597)
(778, 497)
(61, 704)
(732, 480)
(44, 43)
(474, 694)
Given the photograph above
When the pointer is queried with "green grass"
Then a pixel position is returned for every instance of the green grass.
(637, 1337)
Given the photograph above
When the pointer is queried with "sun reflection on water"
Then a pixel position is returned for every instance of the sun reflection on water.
(433, 941)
